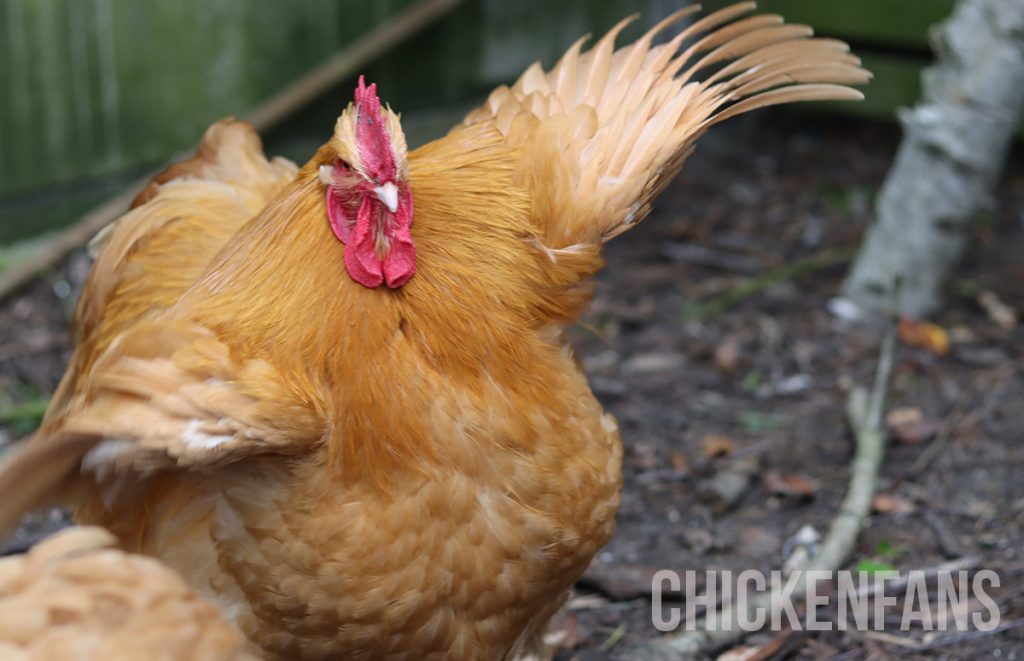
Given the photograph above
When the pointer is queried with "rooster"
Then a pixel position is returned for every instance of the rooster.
(338, 399)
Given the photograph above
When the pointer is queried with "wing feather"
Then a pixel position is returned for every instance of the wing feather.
(147, 258)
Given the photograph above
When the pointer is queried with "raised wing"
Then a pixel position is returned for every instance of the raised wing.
(144, 392)
(147, 258)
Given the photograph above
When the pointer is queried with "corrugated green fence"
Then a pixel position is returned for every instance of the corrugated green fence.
(93, 88)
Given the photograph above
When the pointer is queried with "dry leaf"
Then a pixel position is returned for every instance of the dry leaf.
(915, 433)
(717, 445)
(727, 354)
(925, 335)
(961, 334)
(908, 425)
(759, 653)
(741, 653)
(563, 632)
(679, 462)
(886, 503)
(790, 484)
(999, 312)
(904, 416)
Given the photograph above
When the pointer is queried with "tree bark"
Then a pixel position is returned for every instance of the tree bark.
(954, 145)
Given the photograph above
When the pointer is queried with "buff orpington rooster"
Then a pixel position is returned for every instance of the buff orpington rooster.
(338, 400)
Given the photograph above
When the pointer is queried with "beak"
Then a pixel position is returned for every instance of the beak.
(388, 194)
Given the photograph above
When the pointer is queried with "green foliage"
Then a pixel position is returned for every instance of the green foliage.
(22, 408)
(873, 566)
(757, 422)
(882, 559)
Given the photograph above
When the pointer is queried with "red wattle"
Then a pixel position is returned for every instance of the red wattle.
(400, 263)
(361, 260)
(360, 236)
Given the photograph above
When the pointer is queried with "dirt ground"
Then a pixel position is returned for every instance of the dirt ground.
(730, 397)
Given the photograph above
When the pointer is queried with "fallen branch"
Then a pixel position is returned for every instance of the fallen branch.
(336, 69)
(945, 641)
(911, 644)
(865, 413)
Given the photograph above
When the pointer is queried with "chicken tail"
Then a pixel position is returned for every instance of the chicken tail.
(624, 120)
(38, 472)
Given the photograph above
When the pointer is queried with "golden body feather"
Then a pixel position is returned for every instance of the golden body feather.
(75, 596)
(410, 473)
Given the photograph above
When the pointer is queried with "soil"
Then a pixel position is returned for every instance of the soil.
(731, 398)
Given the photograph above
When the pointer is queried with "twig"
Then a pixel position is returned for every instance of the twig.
(914, 645)
(887, 638)
(948, 543)
(614, 638)
(865, 412)
(718, 304)
(338, 67)
(945, 641)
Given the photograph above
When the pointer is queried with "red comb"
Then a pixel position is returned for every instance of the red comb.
(371, 133)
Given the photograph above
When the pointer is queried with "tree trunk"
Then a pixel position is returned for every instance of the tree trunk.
(953, 148)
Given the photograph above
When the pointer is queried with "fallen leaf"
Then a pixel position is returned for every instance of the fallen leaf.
(925, 335)
(885, 503)
(761, 652)
(653, 363)
(727, 354)
(679, 462)
(962, 335)
(586, 602)
(717, 445)
(741, 653)
(908, 425)
(563, 632)
(904, 416)
(789, 484)
(915, 433)
(999, 312)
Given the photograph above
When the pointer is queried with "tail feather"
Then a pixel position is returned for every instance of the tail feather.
(606, 129)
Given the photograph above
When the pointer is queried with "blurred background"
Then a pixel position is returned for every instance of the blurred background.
(97, 92)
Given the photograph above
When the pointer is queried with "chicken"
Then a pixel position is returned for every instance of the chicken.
(75, 596)
(339, 400)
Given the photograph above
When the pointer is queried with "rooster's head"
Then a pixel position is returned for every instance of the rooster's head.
(369, 203)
